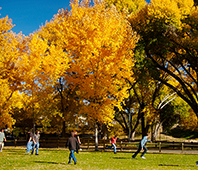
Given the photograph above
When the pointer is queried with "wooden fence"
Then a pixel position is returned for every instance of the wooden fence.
(89, 144)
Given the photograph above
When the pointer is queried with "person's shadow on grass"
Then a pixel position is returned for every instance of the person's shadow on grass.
(119, 157)
(15, 152)
(177, 165)
(48, 162)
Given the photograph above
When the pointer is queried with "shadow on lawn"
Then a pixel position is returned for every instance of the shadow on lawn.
(49, 162)
(177, 165)
(120, 157)
(16, 152)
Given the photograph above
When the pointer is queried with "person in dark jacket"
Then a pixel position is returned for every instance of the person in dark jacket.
(73, 145)
(142, 146)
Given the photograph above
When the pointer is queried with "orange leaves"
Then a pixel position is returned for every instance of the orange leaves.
(99, 43)
(26, 65)
(9, 78)
(91, 47)
(6, 25)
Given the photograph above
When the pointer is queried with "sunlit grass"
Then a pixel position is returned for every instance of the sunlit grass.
(54, 159)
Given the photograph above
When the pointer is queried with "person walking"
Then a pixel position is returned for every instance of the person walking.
(30, 142)
(113, 143)
(2, 139)
(78, 140)
(73, 145)
(142, 146)
(36, 144)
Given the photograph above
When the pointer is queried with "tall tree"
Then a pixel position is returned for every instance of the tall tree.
(148, 98)
(9, 79)
(26, 66)
(99, 43)
(168, 33)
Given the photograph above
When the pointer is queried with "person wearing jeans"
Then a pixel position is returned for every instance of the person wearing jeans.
(36, 144)
(31, 142)
(73, 145)
(142, 146)
(113, 143)
(71, 156)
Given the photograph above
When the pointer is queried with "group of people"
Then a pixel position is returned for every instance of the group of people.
(33, 142)
(73, 144)
(142, 145)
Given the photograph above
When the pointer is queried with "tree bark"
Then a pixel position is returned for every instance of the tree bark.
(96, 137)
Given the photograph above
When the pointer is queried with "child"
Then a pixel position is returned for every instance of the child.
(113, 143)
(142, 146)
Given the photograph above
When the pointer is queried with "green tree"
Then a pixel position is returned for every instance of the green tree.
(168, 33)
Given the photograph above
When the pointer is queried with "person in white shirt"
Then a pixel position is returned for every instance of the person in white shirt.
(2, 139)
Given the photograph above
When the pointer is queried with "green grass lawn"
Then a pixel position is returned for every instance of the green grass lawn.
(52, 159)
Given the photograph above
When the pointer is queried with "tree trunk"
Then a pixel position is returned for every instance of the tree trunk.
(96, 137)
(155, 132)
(63, 130)
(143, 125)
(133, 136)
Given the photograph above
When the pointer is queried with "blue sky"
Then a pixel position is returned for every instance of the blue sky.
(29, 15)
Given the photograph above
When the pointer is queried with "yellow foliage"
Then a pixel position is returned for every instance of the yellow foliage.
(99, 43)
(171, 11)
(8, 72)
(167, 11)
(169, 31)
(129, 6)
(189, 120)
(26, 65)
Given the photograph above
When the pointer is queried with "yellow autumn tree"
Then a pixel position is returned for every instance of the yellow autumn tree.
(99, 43)
(38, 110)
(9, 80)
(42, 66)
(168, 34)
(127, 6)
(26, 66)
